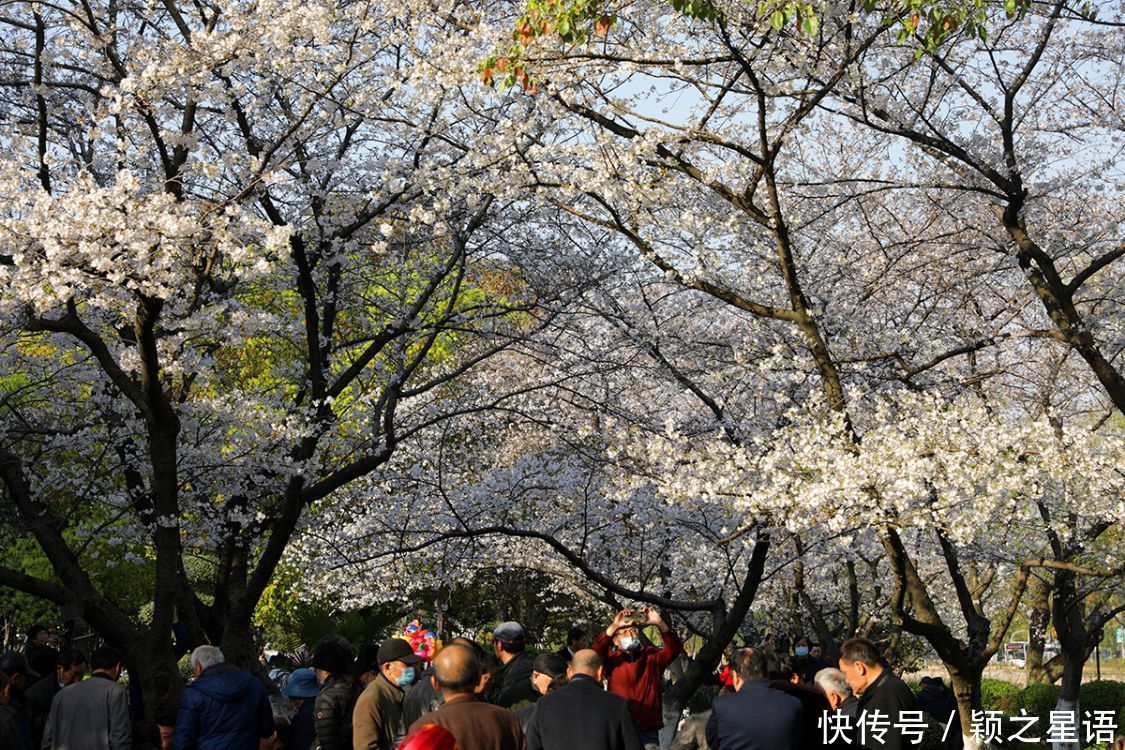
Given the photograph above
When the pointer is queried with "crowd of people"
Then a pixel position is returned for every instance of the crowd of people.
(604, 695)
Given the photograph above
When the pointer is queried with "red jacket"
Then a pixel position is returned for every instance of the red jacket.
(636, 676)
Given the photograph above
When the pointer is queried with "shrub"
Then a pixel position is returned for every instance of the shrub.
(1104, 695)
(998, 695)
(1038, 700)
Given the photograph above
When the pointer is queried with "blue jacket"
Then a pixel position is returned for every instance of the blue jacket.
(757, 717)
(226, 708)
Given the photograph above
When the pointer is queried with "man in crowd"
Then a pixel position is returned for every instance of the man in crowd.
(814, 704)
(424, 697)
(22, 677)
(839, 693)
(92, 714)
(14, 730)
(365, 668)
(512, 683)
(377, 719)
(937, 700)
(335, 704)
(838, 732)
(70, 667)
(476, 725)
(580, 714)
(634, 671)
(878, 691)
(40, 655)
(224, 708)
(548, 673)
(575, 642)
(756, 716)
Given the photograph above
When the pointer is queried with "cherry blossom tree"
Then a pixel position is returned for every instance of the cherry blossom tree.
(241, 265)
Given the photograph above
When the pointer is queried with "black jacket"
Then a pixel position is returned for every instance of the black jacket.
(890, 696)
(421, 698)
(581, 714)
(39, 697)
(939, 702)
(757, 717)
(515, 682)
(813, 706)
(333, 713)
(14, 731)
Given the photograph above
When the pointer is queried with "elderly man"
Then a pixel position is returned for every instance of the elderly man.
(476, 725)
(634, 671)
(224, 708)
(580, 714)
(377, 718)
(92, 714)
(878, 690)
(839, 732)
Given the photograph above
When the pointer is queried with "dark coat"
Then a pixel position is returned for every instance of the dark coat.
(757, 717)
(476, 725)
(582, 715)
(814, 705)
(333, 713)
(514, 679)
(301, 728)
(41, 659)
(39, 697)
(939, 702)
(226, 708)
(890, 696)
(421, 698)
(13, 730)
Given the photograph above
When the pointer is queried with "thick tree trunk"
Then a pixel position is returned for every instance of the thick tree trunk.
(1068, 695)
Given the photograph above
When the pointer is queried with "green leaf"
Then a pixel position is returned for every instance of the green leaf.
(777, 19)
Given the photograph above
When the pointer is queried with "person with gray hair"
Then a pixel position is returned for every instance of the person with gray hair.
(839, 693)
(223, 708)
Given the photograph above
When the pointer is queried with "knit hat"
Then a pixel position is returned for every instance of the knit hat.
(333, 657)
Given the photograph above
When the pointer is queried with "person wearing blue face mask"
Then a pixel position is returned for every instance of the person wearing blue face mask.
(377, 719)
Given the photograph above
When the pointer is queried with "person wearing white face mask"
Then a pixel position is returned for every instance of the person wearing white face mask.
(634, 670)
(377, 718)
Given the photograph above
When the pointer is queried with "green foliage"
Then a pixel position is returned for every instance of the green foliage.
(1104, 695)
(998, 695)
(290, 623)
(704, 10)
(927, 23)
(1037, 700)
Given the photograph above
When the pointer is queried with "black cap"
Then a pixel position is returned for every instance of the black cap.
(332, 656)
(396, 649)
(367, 661)
(549, 664)
(13, 662)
